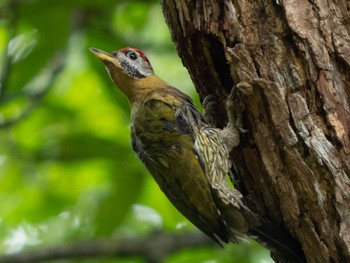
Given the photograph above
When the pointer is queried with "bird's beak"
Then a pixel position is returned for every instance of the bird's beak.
(104, 56)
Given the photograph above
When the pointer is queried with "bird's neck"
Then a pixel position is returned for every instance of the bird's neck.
(137, 90)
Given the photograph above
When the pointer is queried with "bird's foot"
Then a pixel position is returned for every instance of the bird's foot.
(234, 107)
(209, 103)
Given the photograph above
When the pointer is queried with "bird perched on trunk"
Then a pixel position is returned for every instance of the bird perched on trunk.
(187, 158)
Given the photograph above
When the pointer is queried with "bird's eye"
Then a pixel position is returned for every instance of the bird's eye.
(132, 55)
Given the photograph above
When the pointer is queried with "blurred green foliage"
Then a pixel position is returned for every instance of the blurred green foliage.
(67, 171)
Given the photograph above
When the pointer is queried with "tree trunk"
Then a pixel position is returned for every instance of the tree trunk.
(290, 60)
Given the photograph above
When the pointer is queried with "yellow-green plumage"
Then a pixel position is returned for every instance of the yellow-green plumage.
(164, 127)
(162, 135)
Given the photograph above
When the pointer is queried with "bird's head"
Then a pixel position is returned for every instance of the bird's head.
(129, 61)
(130, 70)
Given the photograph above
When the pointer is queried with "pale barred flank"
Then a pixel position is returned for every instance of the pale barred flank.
(212, 153)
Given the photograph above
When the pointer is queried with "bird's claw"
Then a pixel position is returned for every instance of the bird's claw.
(207, 100)
(209, 103)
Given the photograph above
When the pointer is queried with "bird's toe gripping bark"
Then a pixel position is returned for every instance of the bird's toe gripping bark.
(234, 107)
(209, 103)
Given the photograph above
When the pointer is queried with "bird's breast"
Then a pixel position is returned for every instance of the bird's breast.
(157, 130)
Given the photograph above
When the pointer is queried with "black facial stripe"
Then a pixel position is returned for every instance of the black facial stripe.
(132, 71)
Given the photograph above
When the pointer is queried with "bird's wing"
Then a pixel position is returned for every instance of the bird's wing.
(163, 138)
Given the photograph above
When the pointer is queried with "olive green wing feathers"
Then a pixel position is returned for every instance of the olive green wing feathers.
(163, 138)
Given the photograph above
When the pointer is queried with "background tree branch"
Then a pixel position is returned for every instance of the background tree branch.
(152, 248)
(12, 17)
(43, 83)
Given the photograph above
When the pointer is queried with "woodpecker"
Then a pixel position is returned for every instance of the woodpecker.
(187, 157)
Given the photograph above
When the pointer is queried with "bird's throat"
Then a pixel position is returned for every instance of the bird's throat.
(135, 89)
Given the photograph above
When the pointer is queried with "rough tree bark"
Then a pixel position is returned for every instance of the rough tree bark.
(291, 61)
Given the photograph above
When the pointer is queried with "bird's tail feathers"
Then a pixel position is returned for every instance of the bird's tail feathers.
(278, 240)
